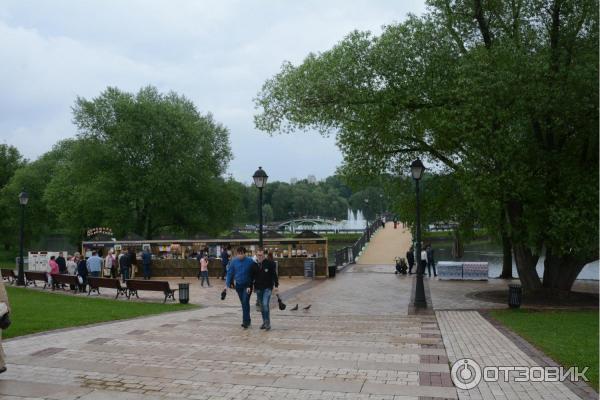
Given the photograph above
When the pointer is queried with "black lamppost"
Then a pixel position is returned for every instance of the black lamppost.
(292, 215)
(366, 212)
(260, 181)
(416, 169)
(23, 199)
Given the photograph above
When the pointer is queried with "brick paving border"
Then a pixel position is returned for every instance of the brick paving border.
(580, 388)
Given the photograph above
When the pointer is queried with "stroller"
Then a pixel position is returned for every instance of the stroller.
(401, 266)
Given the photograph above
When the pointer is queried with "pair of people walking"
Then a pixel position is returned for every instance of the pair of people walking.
(249, 275)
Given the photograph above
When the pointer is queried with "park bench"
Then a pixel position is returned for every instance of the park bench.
(110, 283)
(157, 286)
(71, 280)
(32, 276)
(9, 275)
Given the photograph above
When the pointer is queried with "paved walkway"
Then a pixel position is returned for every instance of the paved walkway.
(385, 245)
(468, 335)
(356, 341)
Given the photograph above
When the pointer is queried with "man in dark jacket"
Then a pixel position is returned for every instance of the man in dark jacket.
(265, 278)
(147, 263)
(124, 264)
(62, 264)
(224, 261)
(410, 258)
(82, 272)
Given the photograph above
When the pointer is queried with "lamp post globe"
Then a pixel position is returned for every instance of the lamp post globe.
(416, 169)
(23, 200)
(260, 181)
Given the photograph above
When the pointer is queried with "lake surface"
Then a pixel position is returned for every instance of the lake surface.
(492, 253)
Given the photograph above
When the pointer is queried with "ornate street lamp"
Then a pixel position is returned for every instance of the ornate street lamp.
(23, 199)
(260, 181)
(416, 169)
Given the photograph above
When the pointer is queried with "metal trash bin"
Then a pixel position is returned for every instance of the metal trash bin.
(332, 271)
(184, 293)
(515, 295)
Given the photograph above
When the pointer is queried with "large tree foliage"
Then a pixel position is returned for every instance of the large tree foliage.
(34, 178)
(503, 94)
(145, 163)
(10, 161)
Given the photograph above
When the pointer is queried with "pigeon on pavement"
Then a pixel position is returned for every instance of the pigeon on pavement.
(307, 307)
(295, 308)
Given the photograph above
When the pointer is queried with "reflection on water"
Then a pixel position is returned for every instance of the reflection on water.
(492, 253)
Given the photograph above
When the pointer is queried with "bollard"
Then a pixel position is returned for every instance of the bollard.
(515, 294)
(184, 293)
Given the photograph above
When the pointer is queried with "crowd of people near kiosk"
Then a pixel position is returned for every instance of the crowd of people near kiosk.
(123, 265)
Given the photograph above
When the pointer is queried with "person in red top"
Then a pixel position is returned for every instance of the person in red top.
(53, 269)
(204, 270)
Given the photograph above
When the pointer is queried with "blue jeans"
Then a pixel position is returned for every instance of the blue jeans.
(125, 273)
(245, 300)
(95, 274)
(146, 271)
(264, 296)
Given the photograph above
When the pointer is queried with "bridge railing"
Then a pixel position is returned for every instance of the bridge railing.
(348, 254)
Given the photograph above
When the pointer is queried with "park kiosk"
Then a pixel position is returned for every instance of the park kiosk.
(178, 257)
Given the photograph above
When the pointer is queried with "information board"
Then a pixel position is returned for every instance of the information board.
(309, 269)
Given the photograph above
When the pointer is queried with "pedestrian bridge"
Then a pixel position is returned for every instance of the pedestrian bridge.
(385, 245)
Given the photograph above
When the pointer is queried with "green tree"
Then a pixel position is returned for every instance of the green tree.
(502, 94)
(34, 177)
(144, 163)
(10, 161)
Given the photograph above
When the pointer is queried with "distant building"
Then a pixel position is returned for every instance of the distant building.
(312, 179)
(293, 181)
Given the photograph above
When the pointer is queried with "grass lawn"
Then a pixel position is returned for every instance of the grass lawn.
(569, 337)
(33, 311)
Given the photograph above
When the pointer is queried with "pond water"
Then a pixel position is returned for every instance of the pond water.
(492, 253)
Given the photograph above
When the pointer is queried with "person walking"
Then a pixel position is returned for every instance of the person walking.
(5, 305)
(109, 263)
(423, 261)
(265, 279)
(240, 271)
(94, 264)
(71, 269)
(124, 265)
(430, 260)
(410, 259)
(132, 263)
(147, 263)
(62, 264)
(204, 270)
(52, 269)
(82, 273)
(224, 262)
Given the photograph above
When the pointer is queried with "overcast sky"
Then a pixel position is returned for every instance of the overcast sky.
(217, 53)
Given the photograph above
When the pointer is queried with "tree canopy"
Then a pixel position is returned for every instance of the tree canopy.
(503, 94)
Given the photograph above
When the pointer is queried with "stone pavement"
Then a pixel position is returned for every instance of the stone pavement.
(468, 335)
(356, 341)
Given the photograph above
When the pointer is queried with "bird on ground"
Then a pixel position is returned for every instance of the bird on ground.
(307, 307)
(295, 308)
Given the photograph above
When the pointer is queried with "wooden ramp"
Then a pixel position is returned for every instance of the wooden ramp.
(387, 244)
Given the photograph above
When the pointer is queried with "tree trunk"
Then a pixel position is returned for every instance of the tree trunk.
(507, 259)
(525, 259)
(506, 249)
(560, 272)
